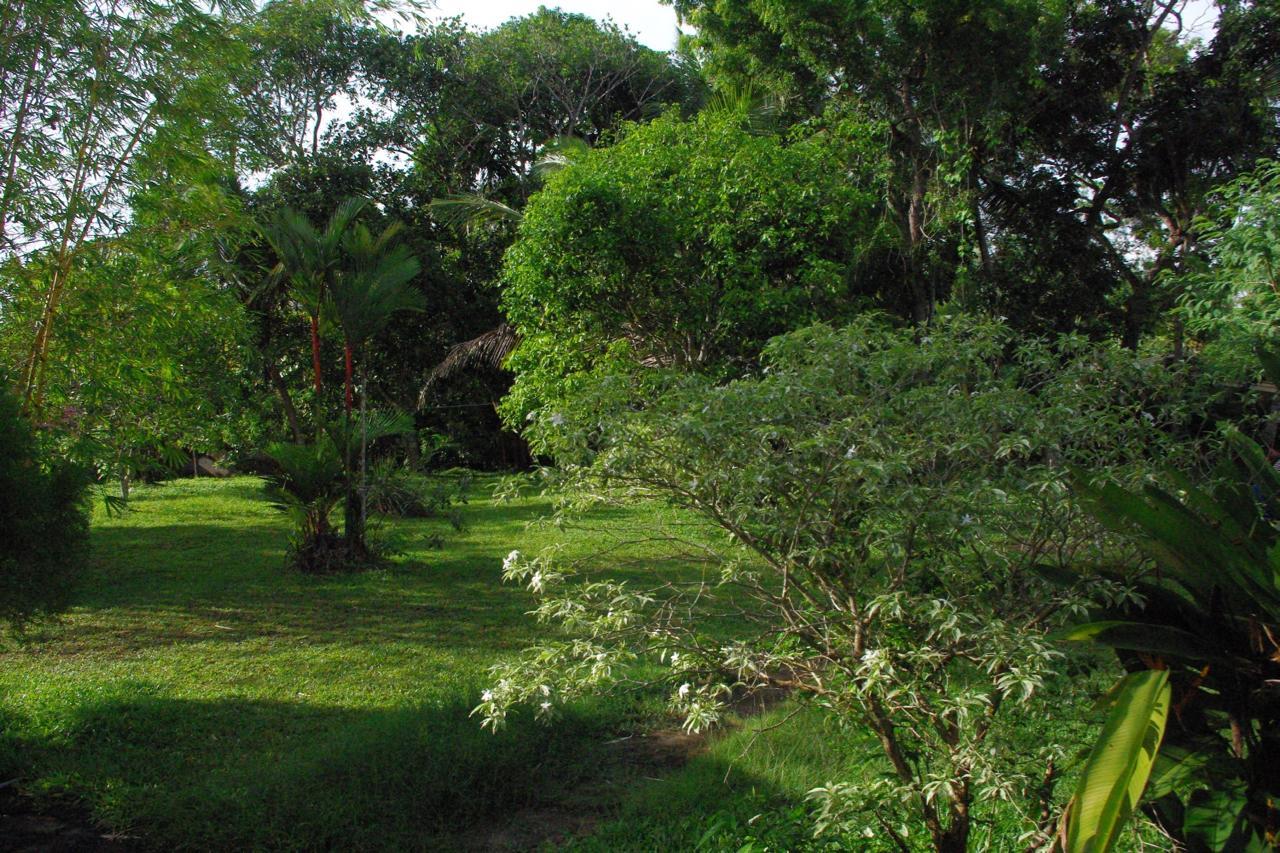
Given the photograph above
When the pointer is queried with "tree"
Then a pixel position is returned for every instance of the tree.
(87, 88)
(477, 117)
(1136, 123)
(150, 362)
(373, 284)
(867, 510)
(1052, 156)
(309, 263)
(302, 59)
(945, 78)
(1230, 301)
(687, 244)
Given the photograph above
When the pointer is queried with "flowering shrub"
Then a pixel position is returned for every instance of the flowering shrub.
(870, 510)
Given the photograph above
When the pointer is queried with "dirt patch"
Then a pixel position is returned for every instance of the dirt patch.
(53, 826)
(577, 813)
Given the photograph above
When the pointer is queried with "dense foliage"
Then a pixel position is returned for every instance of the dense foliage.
(1204, 645)
(1231, 301)
(842, 296)
(877, 506)
(44, 522)
(688, 244)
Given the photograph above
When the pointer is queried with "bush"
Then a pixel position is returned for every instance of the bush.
(44, 521)
(400, 492)
(871, 510)
(688, 243)
(308, 485)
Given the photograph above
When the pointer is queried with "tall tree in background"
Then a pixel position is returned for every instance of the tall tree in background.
(460, 112)
(1106, 175)
(87, 86)
(302, 58)
(945, 78)
(1069, 144)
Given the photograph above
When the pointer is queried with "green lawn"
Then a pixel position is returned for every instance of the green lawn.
(200, 696)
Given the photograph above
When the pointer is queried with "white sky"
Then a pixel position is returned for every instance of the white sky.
(654, 24)
(649, 21)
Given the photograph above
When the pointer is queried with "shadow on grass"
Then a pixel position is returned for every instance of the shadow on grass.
(236, 774)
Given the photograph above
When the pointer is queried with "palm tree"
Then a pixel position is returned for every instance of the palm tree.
(372, 283)
(309, 262)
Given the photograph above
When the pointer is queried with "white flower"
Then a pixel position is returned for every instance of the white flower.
(851, 452)
(486, 696)
(675, 656)
(684, 690)
(535, 582)
(544, 689)
(545, 706)
(510, 561)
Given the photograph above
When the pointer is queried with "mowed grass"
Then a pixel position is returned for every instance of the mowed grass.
(199, 695)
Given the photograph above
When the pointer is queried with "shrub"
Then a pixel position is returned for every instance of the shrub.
(309, 484)
(44, 521)
(401, 492)
(869, 511)
(688, 243)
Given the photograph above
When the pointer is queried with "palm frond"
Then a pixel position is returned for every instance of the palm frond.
(490, 349)
(341, 220)
(559, 153)
(375, 285)
(473, 211)
(376, 425)
(759, 111)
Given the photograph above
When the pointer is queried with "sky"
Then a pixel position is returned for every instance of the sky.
(654, 24)
(649, 21)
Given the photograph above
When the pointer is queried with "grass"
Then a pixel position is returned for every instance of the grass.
(199, 696)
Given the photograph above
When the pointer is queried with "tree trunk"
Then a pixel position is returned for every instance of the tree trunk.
(347, 375)
(353, 511)
(364, 440)
(315, 351)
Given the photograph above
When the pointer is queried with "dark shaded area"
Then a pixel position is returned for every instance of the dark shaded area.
(53, 826)
(386, 779)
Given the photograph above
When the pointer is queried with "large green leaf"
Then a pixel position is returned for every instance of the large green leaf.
(1120, 763)
(1142, 637)
(1197, 554)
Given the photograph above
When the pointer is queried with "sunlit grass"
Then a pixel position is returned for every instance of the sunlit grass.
(200, 694)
